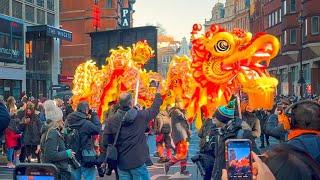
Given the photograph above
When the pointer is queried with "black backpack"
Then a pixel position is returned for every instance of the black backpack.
(72, 139)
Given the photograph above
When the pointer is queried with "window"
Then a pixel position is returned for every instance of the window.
(4, 7)
(29, 13)
(30, 1)
(269, 24)
(40, 3)
(16, 9)
(293, 6)
(272, 19)
(284, 6)
(4, 41)
(280, 15)
(50, 4)
(315, 25)
(294, 74)
(284, 37)
(306, 27)
(276, 17)
(50, 19)
(109, 3)
(40, 17)
(293, 36)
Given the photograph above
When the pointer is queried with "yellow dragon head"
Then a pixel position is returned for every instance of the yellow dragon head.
(225, 62)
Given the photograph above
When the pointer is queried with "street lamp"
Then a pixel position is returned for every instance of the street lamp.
(301, 80)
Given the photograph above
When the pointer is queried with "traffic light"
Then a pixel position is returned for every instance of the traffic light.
(96, 16)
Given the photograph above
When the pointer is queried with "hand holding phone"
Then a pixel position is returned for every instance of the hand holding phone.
(35, 171)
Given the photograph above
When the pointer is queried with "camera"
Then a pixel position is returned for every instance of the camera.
(197, 160)
(75, 163)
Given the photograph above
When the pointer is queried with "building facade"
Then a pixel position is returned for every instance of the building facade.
(232, 14)
(29, 47)
(297, 25)
(77, 17)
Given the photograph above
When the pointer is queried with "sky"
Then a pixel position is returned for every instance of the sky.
(176, 16)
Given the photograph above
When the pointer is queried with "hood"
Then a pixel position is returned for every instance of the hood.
(128, 116)
(310, 143)
(44, 128)
(76, 119)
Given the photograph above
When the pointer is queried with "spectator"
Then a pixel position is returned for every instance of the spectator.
(254, 130)
(289, 162)
(87, 123)
(54, 150)
(4, 116)
(11, 106)
(12, 140)
(305, 128)
(263, 117)
(180, 134)
(131, 144)
(31, 127)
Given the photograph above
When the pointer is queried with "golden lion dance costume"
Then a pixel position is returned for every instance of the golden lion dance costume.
(223, 63)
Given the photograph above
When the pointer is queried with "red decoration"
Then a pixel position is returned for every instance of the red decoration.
(96, 16)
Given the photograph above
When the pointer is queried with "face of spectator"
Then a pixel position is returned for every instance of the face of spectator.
(29, 112)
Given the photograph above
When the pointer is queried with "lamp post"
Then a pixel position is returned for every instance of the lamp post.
(301, 80)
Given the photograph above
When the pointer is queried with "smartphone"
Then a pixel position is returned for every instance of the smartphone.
(238, 159)
(27, 171)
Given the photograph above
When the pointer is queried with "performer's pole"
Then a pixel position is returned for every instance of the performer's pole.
(137, 91)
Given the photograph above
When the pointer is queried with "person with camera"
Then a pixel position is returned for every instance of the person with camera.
(81, 126)
(30, 126)
(52, 142)
(131, 143)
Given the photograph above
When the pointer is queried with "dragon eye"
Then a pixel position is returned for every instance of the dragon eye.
(222, 46)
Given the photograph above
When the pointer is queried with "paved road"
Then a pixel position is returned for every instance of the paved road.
(157, 170)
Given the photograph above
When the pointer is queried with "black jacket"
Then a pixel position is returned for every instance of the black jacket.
(4, 118)
(31, 131)
(54, 150)
(87, 128)
(132, 145)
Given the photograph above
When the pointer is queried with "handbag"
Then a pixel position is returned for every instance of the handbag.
(112, 151)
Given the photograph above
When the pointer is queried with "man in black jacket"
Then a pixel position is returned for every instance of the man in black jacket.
(87, 123)
(4, 117)
(131, 144)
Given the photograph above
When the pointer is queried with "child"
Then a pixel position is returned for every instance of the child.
(11, 138)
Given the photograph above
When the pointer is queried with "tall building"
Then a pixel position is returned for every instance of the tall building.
(282, 19)
(232, 14)
(29, 47)
(77, 16)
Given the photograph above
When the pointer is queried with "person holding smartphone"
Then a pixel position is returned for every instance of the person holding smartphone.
(54, 150)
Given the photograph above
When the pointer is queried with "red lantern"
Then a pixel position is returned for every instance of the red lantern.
(96, 16)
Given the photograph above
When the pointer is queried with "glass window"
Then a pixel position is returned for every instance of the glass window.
(315, 25)
(284, 6)
(306, 72)
(284, 37)
(29, 13)
(50, 19)
(30, 1)
(293, 6)
(109, 4)
(40, 3)
(1, 87)
(272, 19)
(17, 9)
(50, 4)
(4, 7)
(40, 17)
(293, 74)
(269, 20)
(276, 17)
(306, 27)
(280, 15)
(293, 36)
(4, 41)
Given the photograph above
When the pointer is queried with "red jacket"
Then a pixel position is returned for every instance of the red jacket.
(11, 138)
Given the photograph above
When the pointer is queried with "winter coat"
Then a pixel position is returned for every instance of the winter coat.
(163, 120)
(309, 143)
(31, 131)
(11, 138)
(54, 150)
(86, 127)
(4, 118)
(132, 146)
(275, 129)
(180, 126)
(68, 110)
(207, 137)
(253, 122)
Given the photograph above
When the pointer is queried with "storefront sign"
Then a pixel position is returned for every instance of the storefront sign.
(59, 33)
(11, 40)
(125, 17)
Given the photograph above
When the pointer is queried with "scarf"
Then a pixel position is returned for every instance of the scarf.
(298, 132)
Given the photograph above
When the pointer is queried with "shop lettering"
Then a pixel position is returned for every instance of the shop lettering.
(125, 17)
(10, 52)
(60, 34)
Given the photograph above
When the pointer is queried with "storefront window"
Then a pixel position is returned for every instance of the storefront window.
(10, 88)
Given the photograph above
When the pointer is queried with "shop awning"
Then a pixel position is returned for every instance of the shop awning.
(51, 31)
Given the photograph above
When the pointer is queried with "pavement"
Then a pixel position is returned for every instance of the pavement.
(156, 171)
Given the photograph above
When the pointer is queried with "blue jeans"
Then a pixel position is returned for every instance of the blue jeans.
(86, 173)
(10, 152)
(139, 173)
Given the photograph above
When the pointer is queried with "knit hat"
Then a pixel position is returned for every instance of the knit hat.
(52, 112)
(125, 100)
(225, 113)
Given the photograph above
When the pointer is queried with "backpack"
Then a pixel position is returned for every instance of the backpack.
(72, 139)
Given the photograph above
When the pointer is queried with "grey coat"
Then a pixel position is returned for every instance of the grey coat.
(180, 126)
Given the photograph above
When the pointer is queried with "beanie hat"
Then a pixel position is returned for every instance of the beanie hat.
(225, 113)
(83, 106)
(125, 100)
(52, 112)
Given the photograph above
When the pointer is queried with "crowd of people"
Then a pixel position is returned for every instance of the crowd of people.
(75, 141)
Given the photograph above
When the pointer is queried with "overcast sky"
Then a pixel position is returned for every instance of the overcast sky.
(176, 16)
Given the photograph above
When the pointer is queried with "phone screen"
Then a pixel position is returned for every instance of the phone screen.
(23, 177)
(35, 172)
(239, 163)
